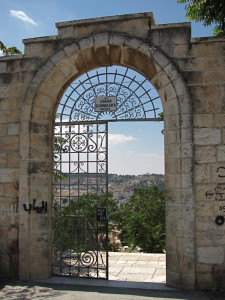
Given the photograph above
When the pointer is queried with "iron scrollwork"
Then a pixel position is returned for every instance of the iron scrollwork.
(79, 241)
(136, 97)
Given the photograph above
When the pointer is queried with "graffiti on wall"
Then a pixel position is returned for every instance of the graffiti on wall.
(219, 195)
(8, 210)
(39, 209)
(219, 191)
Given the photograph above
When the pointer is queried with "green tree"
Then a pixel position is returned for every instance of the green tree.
(142, 220)
(9, 50)
(207, 11)
(59, 145)
(75, 226)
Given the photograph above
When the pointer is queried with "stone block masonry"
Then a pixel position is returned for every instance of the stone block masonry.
(189, 75)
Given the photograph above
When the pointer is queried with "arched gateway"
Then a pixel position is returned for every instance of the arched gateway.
(73, 60)
(189, 80)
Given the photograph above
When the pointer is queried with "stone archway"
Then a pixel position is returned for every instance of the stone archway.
(37, 117)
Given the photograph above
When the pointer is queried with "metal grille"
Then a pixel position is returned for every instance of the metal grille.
(80, 225)
(136, 97)
(80, 228)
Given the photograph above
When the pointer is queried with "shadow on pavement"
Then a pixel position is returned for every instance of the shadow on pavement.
(26, 291)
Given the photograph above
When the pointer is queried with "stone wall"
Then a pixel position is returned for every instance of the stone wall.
(189, 75)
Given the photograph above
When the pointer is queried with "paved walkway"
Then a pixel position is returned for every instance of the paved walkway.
(139, 267)
(131, 277)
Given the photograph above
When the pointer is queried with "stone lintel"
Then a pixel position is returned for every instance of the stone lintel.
(209, 39)
(137, 25)
(40, 39)
(11, 57)
(171, 25)
(107, 19)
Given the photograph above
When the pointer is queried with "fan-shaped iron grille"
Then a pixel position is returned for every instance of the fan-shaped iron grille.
(135, 96)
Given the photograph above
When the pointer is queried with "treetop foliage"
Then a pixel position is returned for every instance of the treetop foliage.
(10, 50)
(207, 11)
(142, 220)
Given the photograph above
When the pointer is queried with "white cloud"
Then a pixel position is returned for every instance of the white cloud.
(135, 163)
(152, 155)
(115, 139)
(19, 14)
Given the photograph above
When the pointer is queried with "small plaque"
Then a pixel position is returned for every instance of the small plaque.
(105, 103)
(101, 214)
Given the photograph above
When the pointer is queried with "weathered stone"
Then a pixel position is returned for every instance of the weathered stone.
(203, 120)
(170, 107)
(66, 66)
(188, 195)
(39, 180)
(172, 165)
(202, 173)
(211, 255)
(205, 209)
(193, 77)
(202, 268)
(207, 136)
(205, 154)
(102, 54)
(8, 103)
(3, 160)
(220, 120)
(3, 129)
(8, 175)
(12, 189)
(38, 167)
(2, 190)
(14, 129)
(171, 122)
(33, 49)
(200, 106)
(13, 159)
(7, 116)
(2, 66)
(205, 281)
(204, 192)
(187, 165)
(214, 76)
(57, 76)
(170, 136)
(206, 48)
(220, 150)
(39, 140)
(4, 91)
(10, 143)
(223, 136)
(186, 150)
(173, 181)
(173, 195)
(187, 181)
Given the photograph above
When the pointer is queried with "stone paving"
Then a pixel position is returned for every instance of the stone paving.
(140, 267)
(132, 276)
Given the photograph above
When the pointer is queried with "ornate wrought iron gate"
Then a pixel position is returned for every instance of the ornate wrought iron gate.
(80, 226)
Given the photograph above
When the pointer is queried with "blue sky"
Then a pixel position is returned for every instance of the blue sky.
(137, 147)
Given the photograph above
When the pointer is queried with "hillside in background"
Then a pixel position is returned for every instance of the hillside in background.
(122, 186)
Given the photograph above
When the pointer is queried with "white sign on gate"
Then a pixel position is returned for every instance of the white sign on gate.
(105, 103)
